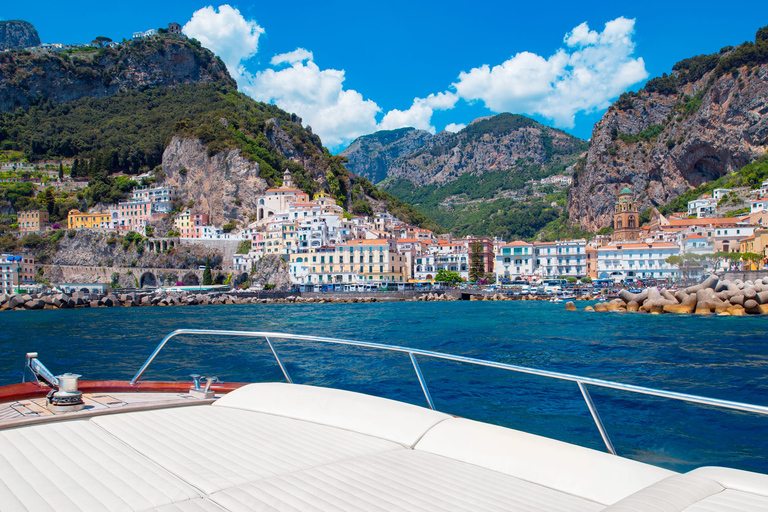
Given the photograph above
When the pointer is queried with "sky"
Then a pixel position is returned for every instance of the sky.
(352, 68)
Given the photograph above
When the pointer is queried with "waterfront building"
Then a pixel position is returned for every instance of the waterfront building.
(79, 220)
(32, 220)
(631, 261)
(626, 217)
(16, 270)
(756, 243)
(561, 258)
(591, 261)
(514, 260)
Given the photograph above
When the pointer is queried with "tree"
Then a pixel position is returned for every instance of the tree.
(448, 277)
(47, 199)
(100, 41)
(476, 265)
(61, 171)
(207, 278)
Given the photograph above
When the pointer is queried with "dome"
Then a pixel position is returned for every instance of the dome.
(625, 190)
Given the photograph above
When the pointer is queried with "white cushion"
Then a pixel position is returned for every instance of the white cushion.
(217, 447)
(572, 469)
(399, 480)
(702, 490)
(370, 415)
(74, 466)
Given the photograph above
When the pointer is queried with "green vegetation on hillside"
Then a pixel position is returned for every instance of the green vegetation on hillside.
(751, 175)
(465, 206)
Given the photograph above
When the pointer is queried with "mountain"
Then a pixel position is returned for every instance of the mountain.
(31, 78)
(169, 106)
(488, 144)
(473, 181)
(17, 34)
(706, 119)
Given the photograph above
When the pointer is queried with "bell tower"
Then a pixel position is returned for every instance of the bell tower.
(287, 179)
(626, 218)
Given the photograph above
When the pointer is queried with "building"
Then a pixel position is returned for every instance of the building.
(727, 238)
(174, 28)
(702, 208)
(758, 205)
(78, 220)
(561, 259)
(32, 220)
(632, 261)
(756, 243)
(161, 198)
(16, 270)
(720, 193)
(591, 261)
(189, 225)
(696, 244)
(278, 199)
(146, 203)
(626, 217)
(514, 260)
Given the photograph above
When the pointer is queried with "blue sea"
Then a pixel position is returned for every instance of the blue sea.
(721, 357)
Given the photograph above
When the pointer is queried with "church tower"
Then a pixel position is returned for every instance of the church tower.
(626, 218)
(287, 179)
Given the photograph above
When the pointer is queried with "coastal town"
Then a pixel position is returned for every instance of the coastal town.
(325, 248)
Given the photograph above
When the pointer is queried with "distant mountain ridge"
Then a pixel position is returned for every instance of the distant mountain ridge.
(489, 144)
(474, 181)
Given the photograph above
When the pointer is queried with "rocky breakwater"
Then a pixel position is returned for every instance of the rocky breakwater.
(722, 297)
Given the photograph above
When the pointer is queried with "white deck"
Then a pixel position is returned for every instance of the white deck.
(291, 447)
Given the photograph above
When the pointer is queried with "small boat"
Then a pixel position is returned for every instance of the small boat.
(206, 446)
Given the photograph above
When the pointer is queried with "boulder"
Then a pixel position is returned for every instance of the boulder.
(16, 301)
(93, 304)
(570, 306)
(736, 310)
(687, 306)
(600, 307)
(34, 304)
(589, 308)
(709, 282)
(632, 306)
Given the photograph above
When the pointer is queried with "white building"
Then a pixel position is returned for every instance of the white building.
(719, 193)
(631, 261)
(758, 205)
(696, 244)
(561, 258)
(513, 260)
(279, 199)
(703, 208)
(727, 239)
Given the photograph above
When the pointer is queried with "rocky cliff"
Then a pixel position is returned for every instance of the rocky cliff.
(224, 185)
(496, 143)
(28, 78)
(17, 34)
(709, 117)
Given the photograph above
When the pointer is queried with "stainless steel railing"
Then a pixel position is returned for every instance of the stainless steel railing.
(582, 382)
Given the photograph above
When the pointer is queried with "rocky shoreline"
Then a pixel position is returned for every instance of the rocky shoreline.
(721, 297)
(31, 302)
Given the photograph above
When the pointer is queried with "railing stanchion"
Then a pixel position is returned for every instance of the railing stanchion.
(422, 381)
(596, 417)
(279, 362)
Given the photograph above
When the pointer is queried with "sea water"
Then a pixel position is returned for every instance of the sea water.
(721, 357)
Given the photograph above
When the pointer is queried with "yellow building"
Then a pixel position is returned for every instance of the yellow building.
(32, 220)
(78, 220)
(756, 243)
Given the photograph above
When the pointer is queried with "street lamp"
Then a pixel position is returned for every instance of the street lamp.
(18, 274)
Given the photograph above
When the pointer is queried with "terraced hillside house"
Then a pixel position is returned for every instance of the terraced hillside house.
(79, 220)
(31, 221)
(514, 260)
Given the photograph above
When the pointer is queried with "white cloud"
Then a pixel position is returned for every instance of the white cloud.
(455, 127)
(318, 96)
(420, 114)
(584, 77)
(227, 34)
(297, 55)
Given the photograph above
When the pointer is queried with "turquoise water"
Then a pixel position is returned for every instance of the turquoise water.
(722, 357)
